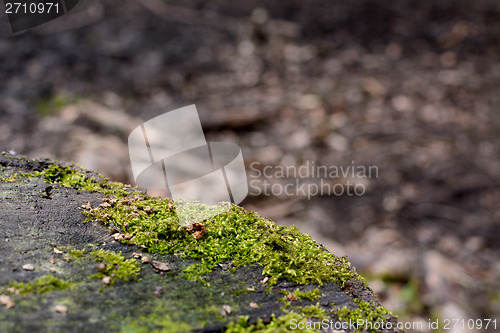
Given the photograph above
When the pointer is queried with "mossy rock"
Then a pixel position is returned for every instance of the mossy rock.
(81, 253)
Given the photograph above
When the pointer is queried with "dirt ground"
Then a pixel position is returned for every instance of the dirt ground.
(411, 87)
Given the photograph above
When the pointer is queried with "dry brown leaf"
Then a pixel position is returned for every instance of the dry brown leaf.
(161, 266)
(198, 234)
(197, 229)
(13, 291)
(7, 301)
(61, 309)
(117, 236)
(225, 310)
(28, 267)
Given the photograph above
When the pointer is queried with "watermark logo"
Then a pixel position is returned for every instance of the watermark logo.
(24, 15)
(170, 156)
(310, 179)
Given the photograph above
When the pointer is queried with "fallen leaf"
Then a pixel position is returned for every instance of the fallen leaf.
(13, 291)
(5, 300)
(61, 309)
(291, 297)
(117, 236)
(136, 255)
(197, 229)
(105, 205)
(254, 305)
(101, 267)
(87, 206)
(52, 261)
(161, 266)
(28, 267)
(198, 234)
(57, 251)
(250, 289)
(106, 280)
(373, 87)
(145, 260)
(52, 270)
(225, 310)
(67, 258)
(264, 280)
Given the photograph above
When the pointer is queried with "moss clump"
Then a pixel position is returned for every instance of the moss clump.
(311, 295)
(237, 236)
(42, 285)
(367, 313)
(81, 179)
(314, 311)
(289, 322)
(116, 266)
(75, 253)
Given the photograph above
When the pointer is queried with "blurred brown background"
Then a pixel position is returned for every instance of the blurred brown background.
(412, 87)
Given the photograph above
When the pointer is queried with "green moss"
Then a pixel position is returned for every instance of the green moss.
(42, 285)
(238, 236)
(314, 311)
(408, 292)
(369, 313)
(10, 179)
(50, 106)
(75, 253)
(116, 266)
(411, 297)
(495, 298)
(81, 179)
(289, 322)
(155, 323)
(311, 295)
(163, 315)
